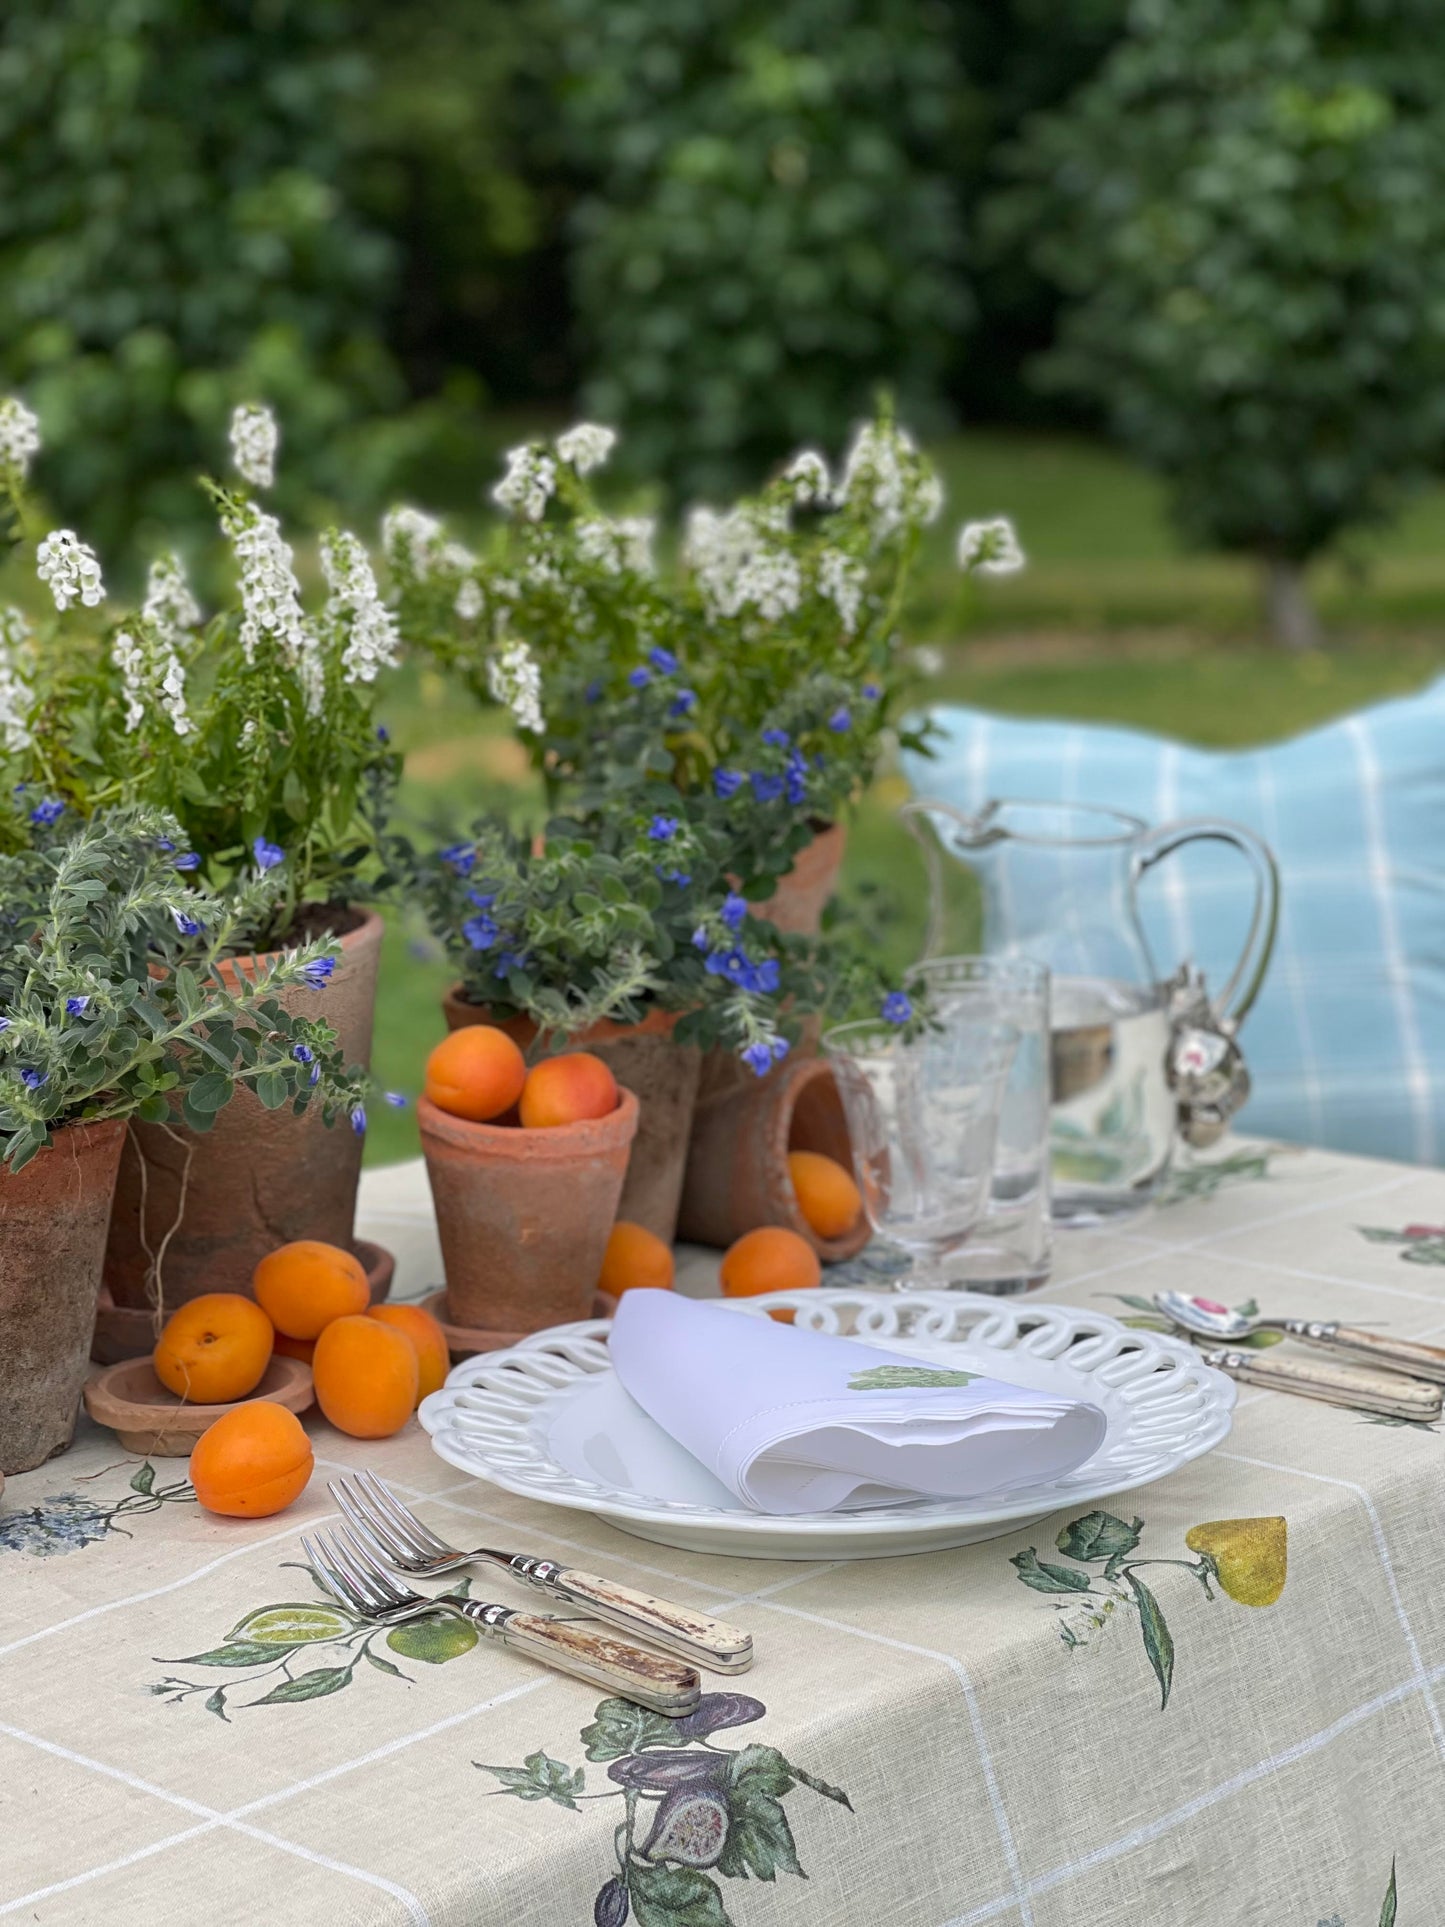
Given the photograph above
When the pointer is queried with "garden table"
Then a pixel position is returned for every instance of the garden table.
(189, 1734)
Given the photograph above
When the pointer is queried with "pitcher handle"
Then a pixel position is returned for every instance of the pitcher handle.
(913, 815)
(1232, 1004)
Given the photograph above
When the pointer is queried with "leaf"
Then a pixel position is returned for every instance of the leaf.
(1379, 1235)
(1424, 1251)
(539, 1778)
(1387, 1911)
(619, 1727)
(238, 1653)
(292, 1625)
(759, 1840)
(153, 1110)
(433, 1641)
(1043, 1577)
(1249, 1309)
(760, 1768)
(210, 1092)
(1135, 1303)
(382, 1665)
(1157, 1641)
(217, 1703)
(144, 1479)
(897, 1378)
(1098, 1535)
(672, 1896)
(821, 1786)
(309, 1686)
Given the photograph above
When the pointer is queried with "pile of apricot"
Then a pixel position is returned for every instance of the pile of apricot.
(480, 1074)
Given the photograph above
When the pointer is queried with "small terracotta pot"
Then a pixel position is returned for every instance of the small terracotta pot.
(737, 1168)
(662, 1074)
(802, 895)
(130, 1401)
(257, 1178)
(53, 1217)
(524, 1216)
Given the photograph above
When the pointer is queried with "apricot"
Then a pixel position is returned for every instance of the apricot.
(476, 1073)
(827, 1196)
(302, 1286)
(252, 1462)
(290, 1347)
(567, 1090)
(214, 1349)
(772, 1258)
(366, 1375)
(635, 1258)
(428, 1340)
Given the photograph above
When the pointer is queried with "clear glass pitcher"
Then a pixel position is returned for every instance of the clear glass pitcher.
(1060, 885)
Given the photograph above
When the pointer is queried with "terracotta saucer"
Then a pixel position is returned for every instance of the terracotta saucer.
(127, 1331)
(464, 1341)
(132, 1402)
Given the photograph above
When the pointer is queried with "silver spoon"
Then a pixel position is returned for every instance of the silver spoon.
(1209, 1320)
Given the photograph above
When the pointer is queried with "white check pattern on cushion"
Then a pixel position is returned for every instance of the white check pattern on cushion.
(1346, 1044)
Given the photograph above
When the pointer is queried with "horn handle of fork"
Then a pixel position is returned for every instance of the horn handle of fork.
(1405, 1355)
(651, 1679)
(694, 1636)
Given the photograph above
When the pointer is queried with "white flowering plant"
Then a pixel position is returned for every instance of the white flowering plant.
(254, 726)
(112, 1004)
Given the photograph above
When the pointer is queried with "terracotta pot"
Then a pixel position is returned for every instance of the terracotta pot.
(524, 1216)
(737, 1167)
(802, 895)
(258, 1178)
(661, 1073)
(53, 1217)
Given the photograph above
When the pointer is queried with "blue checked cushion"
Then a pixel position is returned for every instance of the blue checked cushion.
(1347, 1041)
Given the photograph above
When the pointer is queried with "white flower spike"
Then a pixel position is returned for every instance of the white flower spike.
(529, 483)
(254, 438)
(355, 604)
(69, 570)
(19, 434)
(514, 679)
(990, 548)
(586, 446)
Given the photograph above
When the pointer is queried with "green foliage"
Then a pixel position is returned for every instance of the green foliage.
(768, 228)
(1246, 207)
(111, 1005)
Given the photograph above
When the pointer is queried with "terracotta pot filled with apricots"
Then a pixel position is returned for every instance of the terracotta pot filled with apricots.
(526, 1169)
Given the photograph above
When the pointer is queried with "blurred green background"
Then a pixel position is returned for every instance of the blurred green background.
(1163, 281)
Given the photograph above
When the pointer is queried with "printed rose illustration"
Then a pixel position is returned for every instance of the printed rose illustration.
(1420, 1244)
(1245, 1558)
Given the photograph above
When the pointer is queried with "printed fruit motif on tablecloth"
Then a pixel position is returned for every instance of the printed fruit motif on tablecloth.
(476, 1072)
(635, 1259)
(829, 1200)
(427, 1338)
(301, 1287)
(252, 1462)
(214, 1348)
(772, 1258)
(366, 1376)
(1250, 1556)
(566, 1090)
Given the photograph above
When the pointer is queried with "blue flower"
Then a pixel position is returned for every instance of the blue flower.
(758, 1058)
(767, 789)
(663, 661)
(508, 961)
(188, 926)
(319, 972)
(190, 861)
(700, 939)
(267, 855)
(841, 719)
(779, 738)
(383, 734)
(483, 899)
(593, 692)
(897, 1007)
(303, 1054)
(358, 1119)
(164, 845)
(32, 1080)
(781, 1047)
(682, 702)
(5, 1021)
(639, 678)
(459, 857)
(662, 828)
(765, 977)
(45, 813)
(871, 691)
(734, 909)
(727, 782)
(75, 1006)
(797, 778)
(481, 931)
(679, 877)
(396, 1099)
(315, 1076)
(727, 963)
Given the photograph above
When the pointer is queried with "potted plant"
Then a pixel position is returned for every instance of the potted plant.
(113, 1007)
(255, 728)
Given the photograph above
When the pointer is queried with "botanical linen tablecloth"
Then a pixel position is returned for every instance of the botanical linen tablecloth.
(1064, 1726)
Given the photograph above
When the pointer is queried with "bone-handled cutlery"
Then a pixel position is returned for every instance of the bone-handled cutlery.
(349, 1573)
(1374, 1348)
(1384, 1393)
(395, 1535)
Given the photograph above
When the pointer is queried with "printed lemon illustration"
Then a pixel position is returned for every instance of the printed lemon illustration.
(1249, 1554)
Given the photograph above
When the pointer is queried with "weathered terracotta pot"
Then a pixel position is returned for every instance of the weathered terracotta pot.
(258, 1178)
(661, 1073)
(798, 903)
(524, 1216)
(53, 1217)
(737, 1167)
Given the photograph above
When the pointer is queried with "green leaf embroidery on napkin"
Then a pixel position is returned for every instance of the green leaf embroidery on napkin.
(897, 1378)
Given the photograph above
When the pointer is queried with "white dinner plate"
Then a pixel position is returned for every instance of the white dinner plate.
(548, 1419)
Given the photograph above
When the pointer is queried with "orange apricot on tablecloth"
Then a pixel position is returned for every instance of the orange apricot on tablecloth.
(476, 1072)
(302, 1286)
(366, 1376)
(567, 1090)
(290, 1347)
(772, 1258)
(428, 1340)
(252, 1462)
(214, 1348)
(635, 1258)
(827, 1196)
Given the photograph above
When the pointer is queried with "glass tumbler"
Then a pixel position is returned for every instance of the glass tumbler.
(1011, 1247)
(923, 1114)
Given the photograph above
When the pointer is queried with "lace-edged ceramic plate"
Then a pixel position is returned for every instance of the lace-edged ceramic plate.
(549, 1420)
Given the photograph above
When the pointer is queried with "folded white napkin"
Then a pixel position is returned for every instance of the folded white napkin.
(797, 1421)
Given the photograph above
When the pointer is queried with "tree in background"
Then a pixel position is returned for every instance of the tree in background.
(1246, 209)
(769, 231)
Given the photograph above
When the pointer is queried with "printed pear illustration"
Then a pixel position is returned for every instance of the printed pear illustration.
(1250, 1556)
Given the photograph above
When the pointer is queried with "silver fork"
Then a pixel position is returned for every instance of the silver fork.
(396, 1536)
(349, 1573)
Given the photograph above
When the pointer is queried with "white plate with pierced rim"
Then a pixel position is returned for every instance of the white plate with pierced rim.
(548, 1419)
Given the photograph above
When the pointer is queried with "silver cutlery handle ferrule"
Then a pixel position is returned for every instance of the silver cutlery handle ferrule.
(662, 1685)
(1380, 1392)
(704, 1641)
(1405, 1355)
